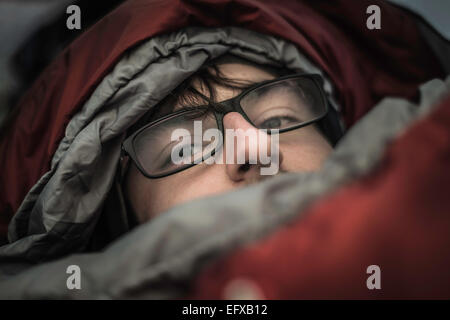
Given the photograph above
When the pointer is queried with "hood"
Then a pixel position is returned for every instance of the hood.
(63, 145)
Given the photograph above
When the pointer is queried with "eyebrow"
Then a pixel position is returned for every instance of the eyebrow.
(178, 107)
(263, 90)
(242, 88)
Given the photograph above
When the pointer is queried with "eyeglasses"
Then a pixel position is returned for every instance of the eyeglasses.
(286, 103)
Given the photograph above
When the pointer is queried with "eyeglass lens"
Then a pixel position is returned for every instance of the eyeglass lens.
(280, 105)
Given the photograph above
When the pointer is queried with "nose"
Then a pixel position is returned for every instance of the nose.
(247, 150)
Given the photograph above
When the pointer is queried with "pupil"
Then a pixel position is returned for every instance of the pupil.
(273, 123)
(189, 151)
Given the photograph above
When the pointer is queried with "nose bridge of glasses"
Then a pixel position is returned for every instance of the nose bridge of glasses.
(227, 106)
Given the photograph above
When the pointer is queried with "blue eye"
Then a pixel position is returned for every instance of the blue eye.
(271, 123)
(277, 122)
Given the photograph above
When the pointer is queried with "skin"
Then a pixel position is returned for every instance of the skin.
(301, 150)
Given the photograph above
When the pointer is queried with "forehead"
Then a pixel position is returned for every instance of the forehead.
(245, 72)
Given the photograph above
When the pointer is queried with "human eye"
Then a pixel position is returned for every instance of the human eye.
(184, 153)
(277, 118)
(187, 151)
(278, 122)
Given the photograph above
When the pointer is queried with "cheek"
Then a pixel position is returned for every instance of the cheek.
(150, 197)
(303, 150)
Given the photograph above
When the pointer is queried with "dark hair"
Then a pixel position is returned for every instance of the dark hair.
(208, 77)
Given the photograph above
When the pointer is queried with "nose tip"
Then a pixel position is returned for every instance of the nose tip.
(244, 146)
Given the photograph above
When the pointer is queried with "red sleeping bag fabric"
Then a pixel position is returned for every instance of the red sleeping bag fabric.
(365, 65)
(397, 217)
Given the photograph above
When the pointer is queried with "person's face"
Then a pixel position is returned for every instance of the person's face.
(300, 150)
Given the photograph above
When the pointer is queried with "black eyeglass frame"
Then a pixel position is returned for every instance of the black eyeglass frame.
(230, 105)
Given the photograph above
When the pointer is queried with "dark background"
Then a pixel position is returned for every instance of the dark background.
(33, 32)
